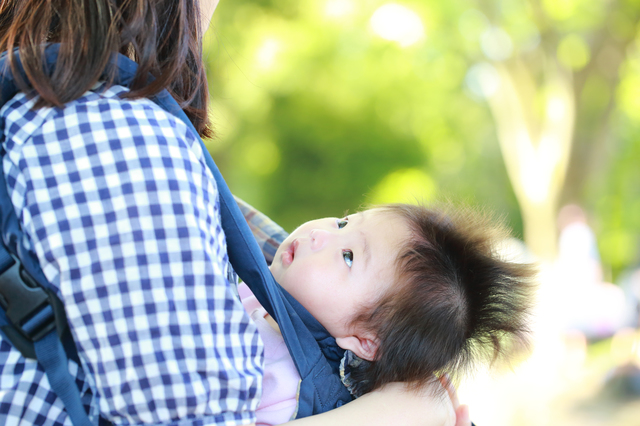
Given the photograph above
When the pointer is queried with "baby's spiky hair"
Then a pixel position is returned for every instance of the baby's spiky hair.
(455, 300)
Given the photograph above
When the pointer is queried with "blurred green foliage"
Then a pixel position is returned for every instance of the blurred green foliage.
(317, 113)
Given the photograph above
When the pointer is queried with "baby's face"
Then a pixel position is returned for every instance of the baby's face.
(334, 267)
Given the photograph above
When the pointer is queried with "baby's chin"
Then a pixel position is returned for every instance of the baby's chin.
(276, 267)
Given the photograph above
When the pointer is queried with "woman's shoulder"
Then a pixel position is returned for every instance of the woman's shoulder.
(102, 114)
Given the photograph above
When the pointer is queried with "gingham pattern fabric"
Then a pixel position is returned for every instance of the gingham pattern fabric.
(123, 214)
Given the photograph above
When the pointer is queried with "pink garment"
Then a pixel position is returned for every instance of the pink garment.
(281, 379)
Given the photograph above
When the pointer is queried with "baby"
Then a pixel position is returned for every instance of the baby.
(412, 290)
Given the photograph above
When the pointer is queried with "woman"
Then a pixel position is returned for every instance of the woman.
(117, 204)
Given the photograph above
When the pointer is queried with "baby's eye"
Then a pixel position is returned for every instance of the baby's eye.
(347, 255)
(342, 222)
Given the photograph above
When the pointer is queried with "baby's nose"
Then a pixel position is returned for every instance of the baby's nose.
(319, 238)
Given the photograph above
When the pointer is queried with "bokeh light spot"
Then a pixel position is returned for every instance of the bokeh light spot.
(482, 80)
(573, 52)
(496, 44)
(628, 96)
(338, 8)
(560, 9)
(267, 53)
(397, 23)
(618, 248)
(404, 186)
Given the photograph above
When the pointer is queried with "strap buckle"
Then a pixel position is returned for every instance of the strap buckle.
(28, 306)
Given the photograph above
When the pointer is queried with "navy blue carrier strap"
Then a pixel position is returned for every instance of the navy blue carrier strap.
(39, 332)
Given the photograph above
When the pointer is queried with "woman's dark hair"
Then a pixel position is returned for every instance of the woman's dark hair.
(162, 36)
(455, 300)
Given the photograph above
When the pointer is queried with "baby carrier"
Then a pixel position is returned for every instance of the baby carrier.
(32, 317)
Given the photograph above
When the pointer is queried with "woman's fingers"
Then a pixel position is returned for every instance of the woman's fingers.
(462, 416)
(462, 411)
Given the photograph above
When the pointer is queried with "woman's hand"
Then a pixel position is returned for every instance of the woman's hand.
(461, 411)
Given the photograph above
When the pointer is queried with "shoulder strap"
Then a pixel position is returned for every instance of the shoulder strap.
(314, 351)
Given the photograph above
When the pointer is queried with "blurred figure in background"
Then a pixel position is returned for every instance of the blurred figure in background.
(587, 305)
(591, 309)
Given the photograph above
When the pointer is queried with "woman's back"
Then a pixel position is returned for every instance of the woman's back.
(122, 213)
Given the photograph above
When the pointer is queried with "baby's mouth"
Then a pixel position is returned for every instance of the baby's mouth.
(289, 253)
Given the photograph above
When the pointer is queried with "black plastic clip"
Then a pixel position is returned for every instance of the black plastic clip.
(32, 310)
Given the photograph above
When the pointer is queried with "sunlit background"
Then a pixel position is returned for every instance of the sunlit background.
(530, 108)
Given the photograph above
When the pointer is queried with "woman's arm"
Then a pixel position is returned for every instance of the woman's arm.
(396, 403)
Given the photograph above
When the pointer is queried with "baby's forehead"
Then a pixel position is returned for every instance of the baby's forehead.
(382, 212)
(393, 234)
(386, 216)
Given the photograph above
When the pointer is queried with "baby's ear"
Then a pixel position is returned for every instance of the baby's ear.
(364, 345)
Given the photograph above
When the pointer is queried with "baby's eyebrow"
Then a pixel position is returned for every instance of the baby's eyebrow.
(365, 249)
(362, 216)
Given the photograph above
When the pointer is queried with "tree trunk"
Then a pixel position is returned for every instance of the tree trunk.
(535, 146)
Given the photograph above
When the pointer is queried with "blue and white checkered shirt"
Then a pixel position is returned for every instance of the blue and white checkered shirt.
(118, 205)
